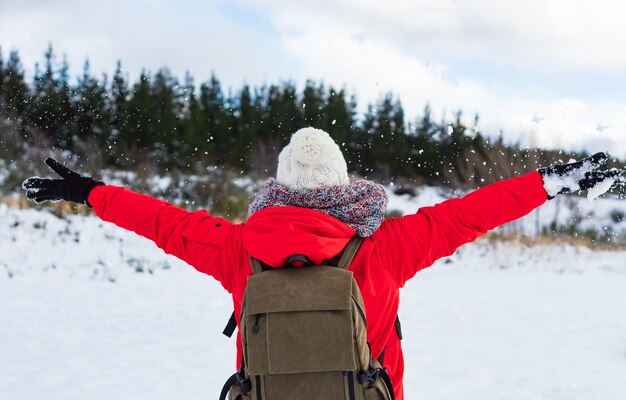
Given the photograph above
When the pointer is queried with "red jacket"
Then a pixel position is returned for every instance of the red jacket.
(386, 260)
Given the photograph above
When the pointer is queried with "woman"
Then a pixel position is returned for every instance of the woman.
(312, 209)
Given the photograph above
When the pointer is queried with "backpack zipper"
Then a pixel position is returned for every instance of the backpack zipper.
(255, 328)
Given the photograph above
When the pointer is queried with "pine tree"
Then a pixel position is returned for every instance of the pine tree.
(243, 127)
(193, 131)
(3, 105)
(290, 112)
(50, 108)
(92, 115)
(266, 147)
(424, 149)
(390, 135)
(66, 113)
(167, 106)
(364, 152)
(453, 147)
(15, 88)
(339, 122)
(213, 119)
(117, 109)
(164, 122)
(338, 118)
(274, 115)
(135, 138)
(283, 113)
(314, 105)
(248, 122)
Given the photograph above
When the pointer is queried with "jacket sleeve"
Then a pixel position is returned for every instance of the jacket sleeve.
(205, 242)
(411, 243)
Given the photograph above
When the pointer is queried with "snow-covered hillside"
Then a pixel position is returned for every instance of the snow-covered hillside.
(90, 311)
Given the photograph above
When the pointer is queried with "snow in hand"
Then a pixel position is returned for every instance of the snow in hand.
(554, 183)
(601, 188)
(494, 321)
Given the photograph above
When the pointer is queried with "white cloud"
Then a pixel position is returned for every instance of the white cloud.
(142, 34)
(373, 69)
(377, 47)
(414, 49)
(540, 34)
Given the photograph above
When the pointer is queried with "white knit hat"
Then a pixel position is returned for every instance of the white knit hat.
(312, 159)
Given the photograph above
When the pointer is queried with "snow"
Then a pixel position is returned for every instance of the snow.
(160, 183)
(4, 171)
(523, 332)
(600, 188)
(118, 178)
(406, 204)
(554, 183)
(88, 310)
(142, 338)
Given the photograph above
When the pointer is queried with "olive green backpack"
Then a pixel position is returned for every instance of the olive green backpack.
(304, 335)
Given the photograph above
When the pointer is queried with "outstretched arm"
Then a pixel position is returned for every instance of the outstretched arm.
(203, 241)
(198, 238)
(414, 242)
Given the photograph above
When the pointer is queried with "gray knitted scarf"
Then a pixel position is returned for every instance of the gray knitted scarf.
(360, 205)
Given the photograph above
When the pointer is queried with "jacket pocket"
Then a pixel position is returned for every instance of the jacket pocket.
(209, 230)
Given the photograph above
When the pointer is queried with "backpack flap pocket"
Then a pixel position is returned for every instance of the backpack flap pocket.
(315, 341)
(305, 324)
(299, 289)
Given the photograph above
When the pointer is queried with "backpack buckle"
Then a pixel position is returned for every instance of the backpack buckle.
(369, 376)
(298, 260)
(243, 382)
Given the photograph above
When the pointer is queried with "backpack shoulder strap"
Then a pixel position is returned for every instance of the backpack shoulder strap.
(231, 325)
(349, 252)
(256, 265)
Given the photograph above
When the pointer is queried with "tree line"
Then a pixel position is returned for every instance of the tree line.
(170, 123)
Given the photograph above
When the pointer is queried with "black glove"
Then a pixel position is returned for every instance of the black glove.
(580, 175)
(73, 187)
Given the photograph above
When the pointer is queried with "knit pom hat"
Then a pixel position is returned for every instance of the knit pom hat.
(311, 160)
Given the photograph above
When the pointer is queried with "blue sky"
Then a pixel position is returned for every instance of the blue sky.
(547, 73)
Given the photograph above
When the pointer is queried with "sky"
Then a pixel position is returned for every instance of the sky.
(547, 73)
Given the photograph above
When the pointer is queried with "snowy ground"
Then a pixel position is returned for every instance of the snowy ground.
(88, 311)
